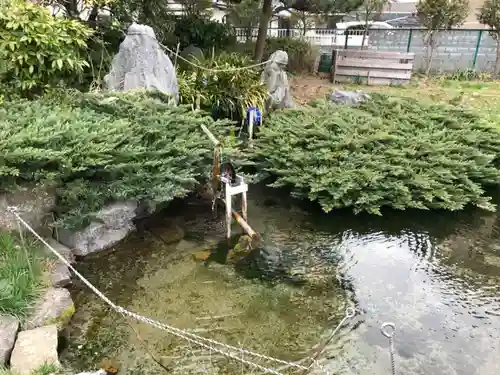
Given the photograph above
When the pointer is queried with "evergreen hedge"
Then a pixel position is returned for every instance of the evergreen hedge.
(392, 152)
(103, 148)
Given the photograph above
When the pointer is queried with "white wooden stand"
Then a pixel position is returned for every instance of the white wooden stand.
(240, 187)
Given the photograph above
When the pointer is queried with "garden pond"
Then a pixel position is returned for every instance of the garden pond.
(435, 275)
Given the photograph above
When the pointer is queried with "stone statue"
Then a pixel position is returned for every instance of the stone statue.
(142, 64)
(275, 78)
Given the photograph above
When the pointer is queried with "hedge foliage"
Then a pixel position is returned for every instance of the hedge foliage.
(226, 93)
(38, 50)
(103, 148)
(389, 151)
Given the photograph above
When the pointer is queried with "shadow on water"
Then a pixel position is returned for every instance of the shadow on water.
(434, 274)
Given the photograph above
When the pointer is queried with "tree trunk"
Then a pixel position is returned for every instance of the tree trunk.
(92, 20)
(497, 60)
(304, 23)
(265, 16)
(365, 29)
(430, 51)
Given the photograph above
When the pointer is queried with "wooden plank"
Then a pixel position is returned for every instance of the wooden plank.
(373, 73)
(373, 81)
(373, 64)
(363, 54)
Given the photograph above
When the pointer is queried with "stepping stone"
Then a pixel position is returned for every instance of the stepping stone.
(33, 349)
(8, 332)
(56, 307)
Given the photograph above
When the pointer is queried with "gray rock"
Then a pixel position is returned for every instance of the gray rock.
(35, 204)
(115, 223)
(33, 349)
(60, 276)
(348, 97)
(141, 63)
(61, 249)
(56, 307)
(100, 372)
(8, 332)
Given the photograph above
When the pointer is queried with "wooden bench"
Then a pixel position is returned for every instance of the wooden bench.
(371, 67)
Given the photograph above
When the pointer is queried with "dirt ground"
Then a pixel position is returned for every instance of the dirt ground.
(307, 88)
(480, 95)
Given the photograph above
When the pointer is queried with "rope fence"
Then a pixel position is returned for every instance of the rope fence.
(226, 350)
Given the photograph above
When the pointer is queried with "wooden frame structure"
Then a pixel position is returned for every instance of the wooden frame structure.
(231, 190)
(372, 67)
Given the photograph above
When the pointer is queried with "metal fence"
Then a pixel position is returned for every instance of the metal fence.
(455, 49)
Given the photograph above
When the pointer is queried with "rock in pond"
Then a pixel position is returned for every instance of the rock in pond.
(56, 307)
(33, 349)
(115, 223)
(60, 276)
(8, 332)
(35, 204)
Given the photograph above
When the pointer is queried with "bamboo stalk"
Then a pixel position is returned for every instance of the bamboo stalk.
(246, 227)
(210, 135)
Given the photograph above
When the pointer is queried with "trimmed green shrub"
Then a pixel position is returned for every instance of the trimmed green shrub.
(387, 152)
(103, 148)
(226, 94)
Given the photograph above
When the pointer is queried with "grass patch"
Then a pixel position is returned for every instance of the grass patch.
(479, 95)
(20, 280)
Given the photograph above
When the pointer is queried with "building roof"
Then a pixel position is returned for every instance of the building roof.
(398, 7)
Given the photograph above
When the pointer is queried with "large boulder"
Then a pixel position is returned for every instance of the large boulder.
(141, 63)
(8, 332)
(56, 307)
(35, 204)
(114, 223)
(33, 349)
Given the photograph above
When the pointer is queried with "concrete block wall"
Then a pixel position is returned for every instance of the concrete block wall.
(455, 48)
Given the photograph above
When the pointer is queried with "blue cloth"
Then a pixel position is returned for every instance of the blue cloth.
(256, 116)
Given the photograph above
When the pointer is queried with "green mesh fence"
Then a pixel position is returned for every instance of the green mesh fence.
(325, 63)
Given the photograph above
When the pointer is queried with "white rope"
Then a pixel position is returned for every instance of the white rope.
(190, 337)
(202, 67)
(214, 70)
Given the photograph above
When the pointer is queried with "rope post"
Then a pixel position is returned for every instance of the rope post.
(478, 43)
(388, 330)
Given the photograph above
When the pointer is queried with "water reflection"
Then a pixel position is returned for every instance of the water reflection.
(435, 275)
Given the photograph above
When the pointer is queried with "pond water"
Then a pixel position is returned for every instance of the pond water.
(434, 275)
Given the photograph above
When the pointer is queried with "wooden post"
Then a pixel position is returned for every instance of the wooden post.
(228, 204)
(251, 115)
(244, 205)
